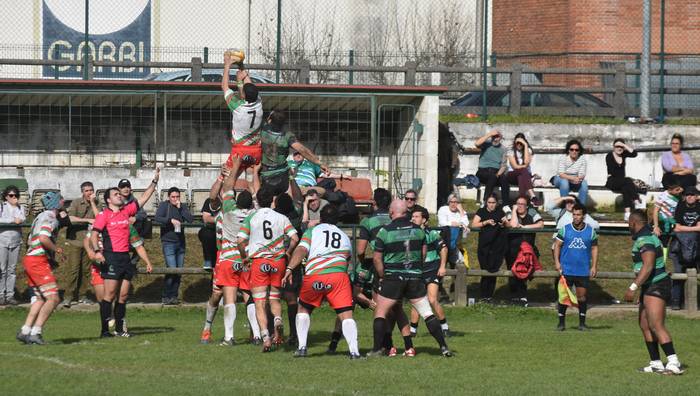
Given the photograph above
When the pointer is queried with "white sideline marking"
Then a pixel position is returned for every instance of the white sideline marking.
(47, 359)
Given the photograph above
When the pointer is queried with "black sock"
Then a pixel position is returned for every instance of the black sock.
(119, 313)
(414, 325)
(443, 321)
(105, 314)
(668, 348)
(388, 341)
(407, 342)
(561, 313)
(292, 316)
(433, 325)
(379, 327)
(582, 308)
(653, 348)
(335, 338)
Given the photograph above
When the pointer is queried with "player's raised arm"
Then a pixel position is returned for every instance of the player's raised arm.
(150, 190)
(228, 92)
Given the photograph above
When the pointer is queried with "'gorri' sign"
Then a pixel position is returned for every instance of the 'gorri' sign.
(118, 30)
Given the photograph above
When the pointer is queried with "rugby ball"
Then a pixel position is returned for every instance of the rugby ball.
(237, 55)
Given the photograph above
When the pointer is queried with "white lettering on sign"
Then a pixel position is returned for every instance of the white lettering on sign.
(106, 51)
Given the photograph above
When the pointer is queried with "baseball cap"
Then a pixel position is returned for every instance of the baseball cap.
(124, 183)
(691, 190)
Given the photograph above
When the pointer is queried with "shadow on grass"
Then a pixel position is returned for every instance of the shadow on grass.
(145, 330)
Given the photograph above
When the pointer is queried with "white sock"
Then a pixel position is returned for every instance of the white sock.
(37, 330)
(350, 334)
(229, 319)
(26, 329)
(211, 313)
(673, 359)
(253, 320)
(303, 321)
(278, 321)
(444, 326)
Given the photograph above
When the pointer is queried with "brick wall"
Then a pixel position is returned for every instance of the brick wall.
(559, 31)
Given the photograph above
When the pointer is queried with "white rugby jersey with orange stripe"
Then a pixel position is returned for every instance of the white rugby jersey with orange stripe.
(265, 231)
(246, 119)
(329, 249)
(45, 224)
(228, 223)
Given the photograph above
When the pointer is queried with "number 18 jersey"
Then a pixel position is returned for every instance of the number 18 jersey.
(264, 231)
(329, 249)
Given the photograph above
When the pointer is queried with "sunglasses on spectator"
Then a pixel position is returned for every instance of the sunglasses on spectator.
(11, 195)
(410, 198)
(619, 147)
(574, 149)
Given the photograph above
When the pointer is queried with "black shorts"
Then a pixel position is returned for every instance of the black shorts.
(660, 289)
(397, 289)
(297, 276)
(432, 277)
(277, 183)
(117, 266)
(578, 281)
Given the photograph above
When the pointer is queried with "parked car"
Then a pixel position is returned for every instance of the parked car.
(531, 99)
(208, 75)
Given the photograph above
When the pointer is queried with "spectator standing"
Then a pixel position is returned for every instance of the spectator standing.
(10, 241)
(617, 179)
(171, 215)
(677, 163)
(313, 203)
(524, 217)
(207, 234)
(684, 247)
(455, 218)
(572, 172)
(519, 172)
(79, 264)
(493, 165)
(491, 220)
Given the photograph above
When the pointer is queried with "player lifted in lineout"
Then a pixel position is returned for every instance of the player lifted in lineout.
(246, 114)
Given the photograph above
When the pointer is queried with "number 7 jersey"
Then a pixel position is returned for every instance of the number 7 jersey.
(329, 249)
(246, 119)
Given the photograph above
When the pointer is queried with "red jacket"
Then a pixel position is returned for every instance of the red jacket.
(526, 263)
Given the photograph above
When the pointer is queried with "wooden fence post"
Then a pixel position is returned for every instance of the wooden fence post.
(516, 88)
(620, 99)
(691, 291)
(196, 69)
(461, 286)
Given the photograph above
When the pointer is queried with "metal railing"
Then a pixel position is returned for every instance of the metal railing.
(619, 90)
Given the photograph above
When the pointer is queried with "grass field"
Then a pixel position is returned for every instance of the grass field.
(497, 351)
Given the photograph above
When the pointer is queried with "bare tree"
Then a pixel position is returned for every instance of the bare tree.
(306, 37)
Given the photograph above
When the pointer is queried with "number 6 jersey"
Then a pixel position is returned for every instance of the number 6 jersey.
(329, 249)
(264, 231)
